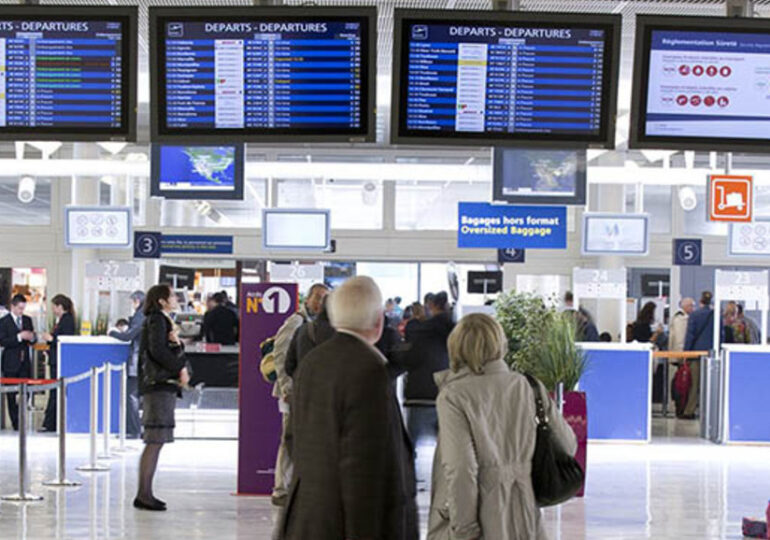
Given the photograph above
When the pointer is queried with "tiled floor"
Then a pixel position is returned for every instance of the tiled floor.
(675, 488)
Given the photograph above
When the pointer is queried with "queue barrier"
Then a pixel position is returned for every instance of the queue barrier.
(25, 387)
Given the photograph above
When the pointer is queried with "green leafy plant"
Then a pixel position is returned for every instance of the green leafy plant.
(541, 341)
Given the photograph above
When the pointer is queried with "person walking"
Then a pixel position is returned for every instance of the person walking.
(17, 335)
(64, 311)
(700, 337)
(353, 461)
(311, 334)
(678, 327)
(133, 334)
(162, 374)
(482, 485)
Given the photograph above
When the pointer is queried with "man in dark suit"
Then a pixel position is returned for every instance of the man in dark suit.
(353, 460)
(16, 336)
(699, 337)
(220, 324)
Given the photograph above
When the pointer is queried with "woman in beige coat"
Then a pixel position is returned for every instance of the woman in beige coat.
(481, 473)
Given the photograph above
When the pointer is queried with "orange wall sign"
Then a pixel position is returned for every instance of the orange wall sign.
(731, 198)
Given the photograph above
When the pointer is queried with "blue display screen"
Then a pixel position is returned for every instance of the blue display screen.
(265, 76)
(197, 168)
(491, 80)
(63, 74)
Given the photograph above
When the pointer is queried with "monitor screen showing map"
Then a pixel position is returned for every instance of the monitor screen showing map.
(536, 176)
(197, 171)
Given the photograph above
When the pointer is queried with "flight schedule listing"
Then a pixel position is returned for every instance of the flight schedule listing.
(61, 74)
(708, 84)
(504, 79)
(264, 75)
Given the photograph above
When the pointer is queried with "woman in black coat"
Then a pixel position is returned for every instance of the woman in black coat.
(64, 311)
(162, 373)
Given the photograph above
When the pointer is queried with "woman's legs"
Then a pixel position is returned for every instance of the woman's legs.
(148, 463)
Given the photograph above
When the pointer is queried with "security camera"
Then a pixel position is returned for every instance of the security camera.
(687, 198)
(26, 192)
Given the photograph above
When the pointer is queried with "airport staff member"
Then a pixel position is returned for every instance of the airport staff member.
(220, 324)
(133, 334)
(16, 336)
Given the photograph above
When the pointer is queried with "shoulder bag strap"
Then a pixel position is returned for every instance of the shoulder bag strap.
(539, 406)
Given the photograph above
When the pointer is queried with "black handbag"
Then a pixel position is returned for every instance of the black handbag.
(556, 476)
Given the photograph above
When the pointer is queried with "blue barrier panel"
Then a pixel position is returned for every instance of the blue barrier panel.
(78, 354)
(618, 387)
(748, 373)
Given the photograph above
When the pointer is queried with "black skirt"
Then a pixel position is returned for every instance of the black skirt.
(158, 417)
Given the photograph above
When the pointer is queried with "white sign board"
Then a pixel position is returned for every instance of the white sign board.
(599, 283)
(750, 288)
(97, 226)
(749, 239)
(295, 272)
(618, 234)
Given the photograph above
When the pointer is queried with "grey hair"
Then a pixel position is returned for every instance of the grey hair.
(356, 304)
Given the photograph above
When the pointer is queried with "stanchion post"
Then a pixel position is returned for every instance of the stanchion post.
(22, 495)
(560, 397)
(61, 424)
(106, 412)
(92, 465)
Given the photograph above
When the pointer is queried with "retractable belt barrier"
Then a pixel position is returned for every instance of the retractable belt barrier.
(25, 387)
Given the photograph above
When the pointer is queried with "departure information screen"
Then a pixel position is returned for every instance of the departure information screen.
(487, 80)
(708, 84)
(283, 76)
(64, 76)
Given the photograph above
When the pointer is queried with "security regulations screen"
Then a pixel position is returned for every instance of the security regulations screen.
(197, 168)
(708, 84)
(501, 80)
(66, 74)
(271, 75)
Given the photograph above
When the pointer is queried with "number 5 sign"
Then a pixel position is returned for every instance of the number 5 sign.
(687, 252)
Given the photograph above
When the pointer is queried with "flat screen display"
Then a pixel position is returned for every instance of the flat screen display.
(288, 229)
(68, 76)
(97, 226)
(749, 239)
(621, 234)
(536, 176)
(481, 78)
(197, 171)
(701, 83)
(261, 73)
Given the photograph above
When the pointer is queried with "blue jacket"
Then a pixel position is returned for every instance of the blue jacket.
(133, 334)
(700, 330)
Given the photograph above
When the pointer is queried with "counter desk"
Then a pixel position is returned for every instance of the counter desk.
(745, 383)
(214, 365)
(78, 354)
(618, 387)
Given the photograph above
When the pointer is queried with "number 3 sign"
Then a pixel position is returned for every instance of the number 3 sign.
(147, 245)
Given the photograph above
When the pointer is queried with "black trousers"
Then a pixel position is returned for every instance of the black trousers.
(49, 420)
(25, 371)
(133, 422)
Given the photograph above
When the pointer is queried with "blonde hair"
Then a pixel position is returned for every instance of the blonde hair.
(476, 340)
(356, 304)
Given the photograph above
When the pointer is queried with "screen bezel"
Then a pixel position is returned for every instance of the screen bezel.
(213, 195)
(606, 137)
(495, 285)
(126, 15)
(99, 209)
(601, 215)
(645, 25)
(731, 234)
(267, 211)
(160, 133)
(576, 199)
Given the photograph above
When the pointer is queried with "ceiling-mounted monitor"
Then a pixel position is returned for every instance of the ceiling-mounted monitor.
(539, 176)
(263, 74)
(290, 229)
(68, 73)
(197, 171)
(616, 234)
(97, 226)
(505, 78)
(701, 83)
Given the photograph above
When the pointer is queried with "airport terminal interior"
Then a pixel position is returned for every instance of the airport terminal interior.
(192, 190)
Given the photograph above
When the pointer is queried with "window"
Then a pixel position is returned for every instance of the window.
(354, 204)
(393, 279)
(657, 203)
(696, 220)
(433, 205)
(15, 212)
(229, 214)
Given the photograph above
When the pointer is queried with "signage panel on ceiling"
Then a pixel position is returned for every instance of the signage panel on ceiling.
(688, 251)
(484, 225)
(730, 198)
(749, 239)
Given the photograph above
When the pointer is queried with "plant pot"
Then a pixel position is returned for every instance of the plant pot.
(576, 415)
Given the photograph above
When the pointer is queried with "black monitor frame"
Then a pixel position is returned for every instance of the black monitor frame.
(159, 133)
(581, 180)
(239, 176)
(610, 23)
(126, 15)
(493, 280)
(645, 25)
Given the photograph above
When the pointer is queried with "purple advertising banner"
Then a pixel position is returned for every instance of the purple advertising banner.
(264, 307)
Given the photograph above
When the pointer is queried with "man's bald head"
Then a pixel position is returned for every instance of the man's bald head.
(687, 305)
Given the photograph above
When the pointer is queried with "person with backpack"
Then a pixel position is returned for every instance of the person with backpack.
(311, 334)
(700, 337)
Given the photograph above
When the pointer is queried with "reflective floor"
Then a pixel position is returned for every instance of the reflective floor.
(674, 488)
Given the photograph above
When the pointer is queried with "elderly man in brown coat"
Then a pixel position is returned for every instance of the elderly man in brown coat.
(353, 460)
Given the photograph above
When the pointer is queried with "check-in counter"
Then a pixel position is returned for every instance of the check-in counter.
(78, 354)
(745, 383)
(618, 387)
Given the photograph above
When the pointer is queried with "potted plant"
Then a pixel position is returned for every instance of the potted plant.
(541, 343)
